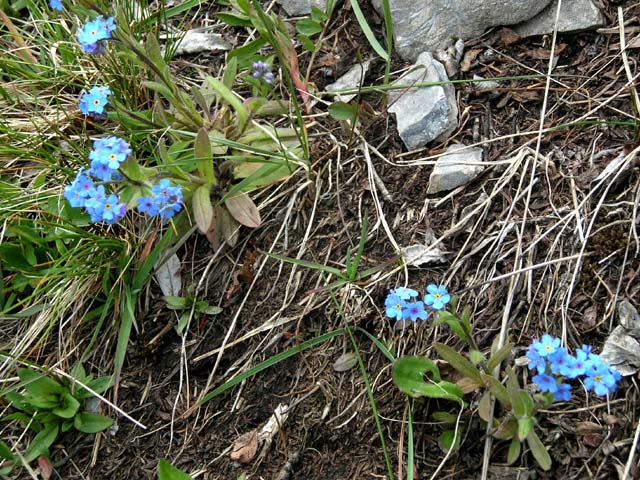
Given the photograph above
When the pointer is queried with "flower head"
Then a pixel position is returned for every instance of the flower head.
(93, 102)
(545, 383)
(405, 293)
(262, 70)
(414, 311)
(56, 4)
(394, 306)
(547, 345)
(437, 296)
(601, 378)
(165, 200)
(94, 33)
(563, 393)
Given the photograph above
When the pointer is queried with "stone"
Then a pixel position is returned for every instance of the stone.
(424, 114)
(296, 8)
(350, 80)
(575, 15)
(429, 25)
(457, 166)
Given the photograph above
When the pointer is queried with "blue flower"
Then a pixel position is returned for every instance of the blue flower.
(414, 311)
(94, 101)
(560, 362)
(405, 293)
(545, 383)
(104, 208)
(262, 70)
(546, 345)
(601, 378)
(94, 33)
(563, 393)
(394, 306)
(437, 297)
(535, 360)
(165, 200)
(107, 155)
(56, 4)
(79, 190)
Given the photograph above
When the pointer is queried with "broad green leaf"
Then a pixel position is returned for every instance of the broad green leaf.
(183, 321)
(458, 362)
(525, 426)
(161, 89)
(497, 357)
(242, 208)
(68, 406)
(5, 451)
(166, 471)
(216, 138)
(212, 310)
(78, 372)
(202, 208)
(245, 53)
(453, 322)
(37, 384)
(408, 373)
(177, 303)
(203, 156)
(100, 384)
(527, 403)
(507, 430)
(234, 19)
(514, 393)
(484, 407)
(318, 15)
(344, 111)
(514, 451)
(476, 357)
(444, 417)
(539, 451)
(66, 425)
(497, 389)
(45, 402)
(308, 27)
(41, 442)
(88, 422)
(230, 72)
(448, 439)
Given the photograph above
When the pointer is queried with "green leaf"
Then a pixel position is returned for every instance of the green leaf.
(308, 27)
(367, 31)
(203, 155)
(161, 89)
(444, 417)
(230, 72)
(498, 390)
(166, 471)
(344, 111)
(234, 19)
(514, 393)
(318, 15)
(476, 357)
(44, 402)
(539, 451)
(37, 384)
(497, 357)
(5, 451)
(68, 406)
(177, 303)
(525, 426)
(458, 362)
(448, 440)
(246, 52)
(242, 208)
(78, 372)
(507, 430)
(527, 403)
(514, 451)
(88, 422)
(183, 322)
(202, 208)
(408, 375)
(452, 321)
(100, 384)
(228, 96)
(41, 443)
(212, 310)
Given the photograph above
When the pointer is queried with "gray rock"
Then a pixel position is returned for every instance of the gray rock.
(420, 25)
(457, 166)
(575, 15)
(424, 114)
(350, 80)
(295, 8)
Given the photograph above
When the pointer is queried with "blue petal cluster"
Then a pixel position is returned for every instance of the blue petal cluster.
(165, 200)
(553, 364)
(262, 70)
(56, 4)
(93, 35)
(101, 206)
(107, 155)
(402, 304)
(93, 102)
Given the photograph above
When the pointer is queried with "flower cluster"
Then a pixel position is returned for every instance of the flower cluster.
(553, 363)
(107, 155)
(56, 4)
(93, 102)
(165, 200)
(94, 33)
(402, 303)
(101, 207)
(262, 70)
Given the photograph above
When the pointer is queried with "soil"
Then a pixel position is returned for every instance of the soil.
(270, 307)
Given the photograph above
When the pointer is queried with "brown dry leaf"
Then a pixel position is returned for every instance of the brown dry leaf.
(592, 439)
(213, 234)
(245, 447)
(242, 208)
(584, 428)
(469, 58)
(509, 37)
(543, 53)
(467, 385)
(523, 96)
(589, 317)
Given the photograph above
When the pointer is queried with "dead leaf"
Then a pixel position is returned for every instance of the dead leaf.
(509, 37)
(168, 276)
(245, 447)
(214, 232)
(242, 208)
(467, 385)
(583, 428)
(469, 58)
(345, 362)
(416, 255)
(229, 228)
(523, 96)
(589, 317)
(202, 208)
(46, 469)
(544, 54)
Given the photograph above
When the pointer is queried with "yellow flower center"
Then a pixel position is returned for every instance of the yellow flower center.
(437, 295)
